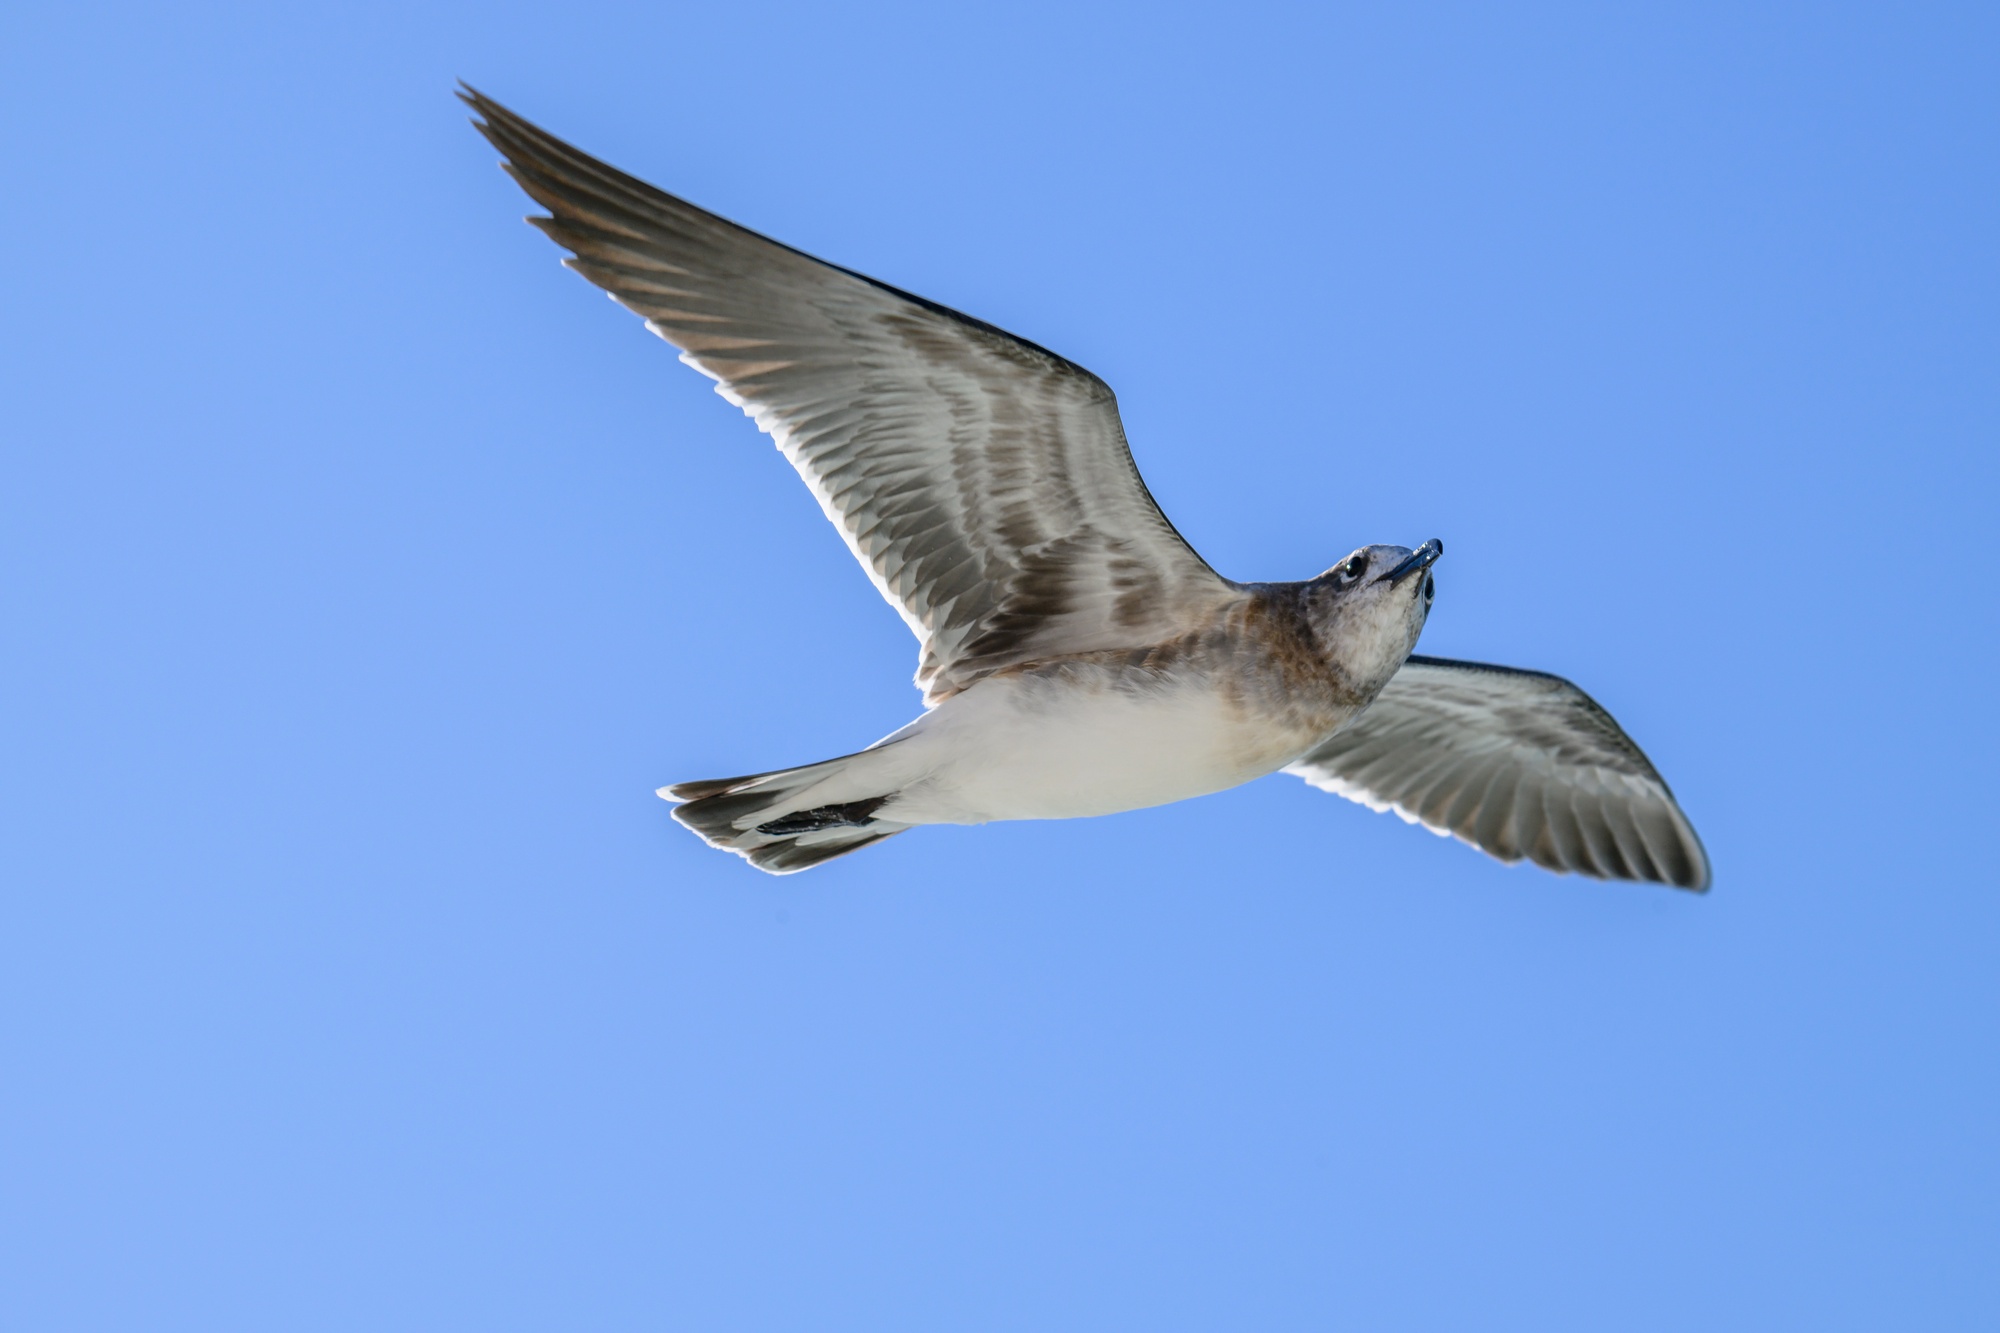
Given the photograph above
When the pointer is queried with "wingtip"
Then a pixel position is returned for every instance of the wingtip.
(483, 106)
(1677, 877)
(1698, 883)
(1697, 851)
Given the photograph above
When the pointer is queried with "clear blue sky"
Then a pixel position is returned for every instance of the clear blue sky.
(363, 572)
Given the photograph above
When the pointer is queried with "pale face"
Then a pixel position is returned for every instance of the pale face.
(1368, 610)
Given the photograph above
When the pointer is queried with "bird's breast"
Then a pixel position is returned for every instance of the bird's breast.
(1084, 737)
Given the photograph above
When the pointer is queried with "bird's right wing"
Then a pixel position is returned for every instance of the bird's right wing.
(1517, 763)
(983, 482)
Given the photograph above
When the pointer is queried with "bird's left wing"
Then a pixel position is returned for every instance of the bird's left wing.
(1517, 763)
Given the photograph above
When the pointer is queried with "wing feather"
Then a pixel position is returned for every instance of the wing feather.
(983, 482)
(1521, 765)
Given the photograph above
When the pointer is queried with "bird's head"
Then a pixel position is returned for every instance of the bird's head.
(1368, 610)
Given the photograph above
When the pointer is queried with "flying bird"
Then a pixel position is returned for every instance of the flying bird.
(1077, 656)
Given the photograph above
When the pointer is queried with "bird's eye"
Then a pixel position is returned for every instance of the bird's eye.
(1356, 566)
(1430, 591)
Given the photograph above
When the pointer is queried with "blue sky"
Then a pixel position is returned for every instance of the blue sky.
(363, 572)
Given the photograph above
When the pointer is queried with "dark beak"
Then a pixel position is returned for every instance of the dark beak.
(1417, 561)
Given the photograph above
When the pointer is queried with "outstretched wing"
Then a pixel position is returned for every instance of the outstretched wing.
(982, 481)
(1517, 763)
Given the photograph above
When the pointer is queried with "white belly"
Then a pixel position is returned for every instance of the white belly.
(1035, 748)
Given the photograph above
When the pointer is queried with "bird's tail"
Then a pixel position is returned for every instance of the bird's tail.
(791, 819)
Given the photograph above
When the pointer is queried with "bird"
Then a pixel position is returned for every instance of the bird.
(1077, 656)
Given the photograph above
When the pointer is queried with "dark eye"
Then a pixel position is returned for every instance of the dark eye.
(1430, 591)
(1356, 566)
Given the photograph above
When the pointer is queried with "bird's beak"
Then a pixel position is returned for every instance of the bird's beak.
(1417, 561)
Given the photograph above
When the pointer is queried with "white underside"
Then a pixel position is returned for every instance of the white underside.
(1023, 747)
